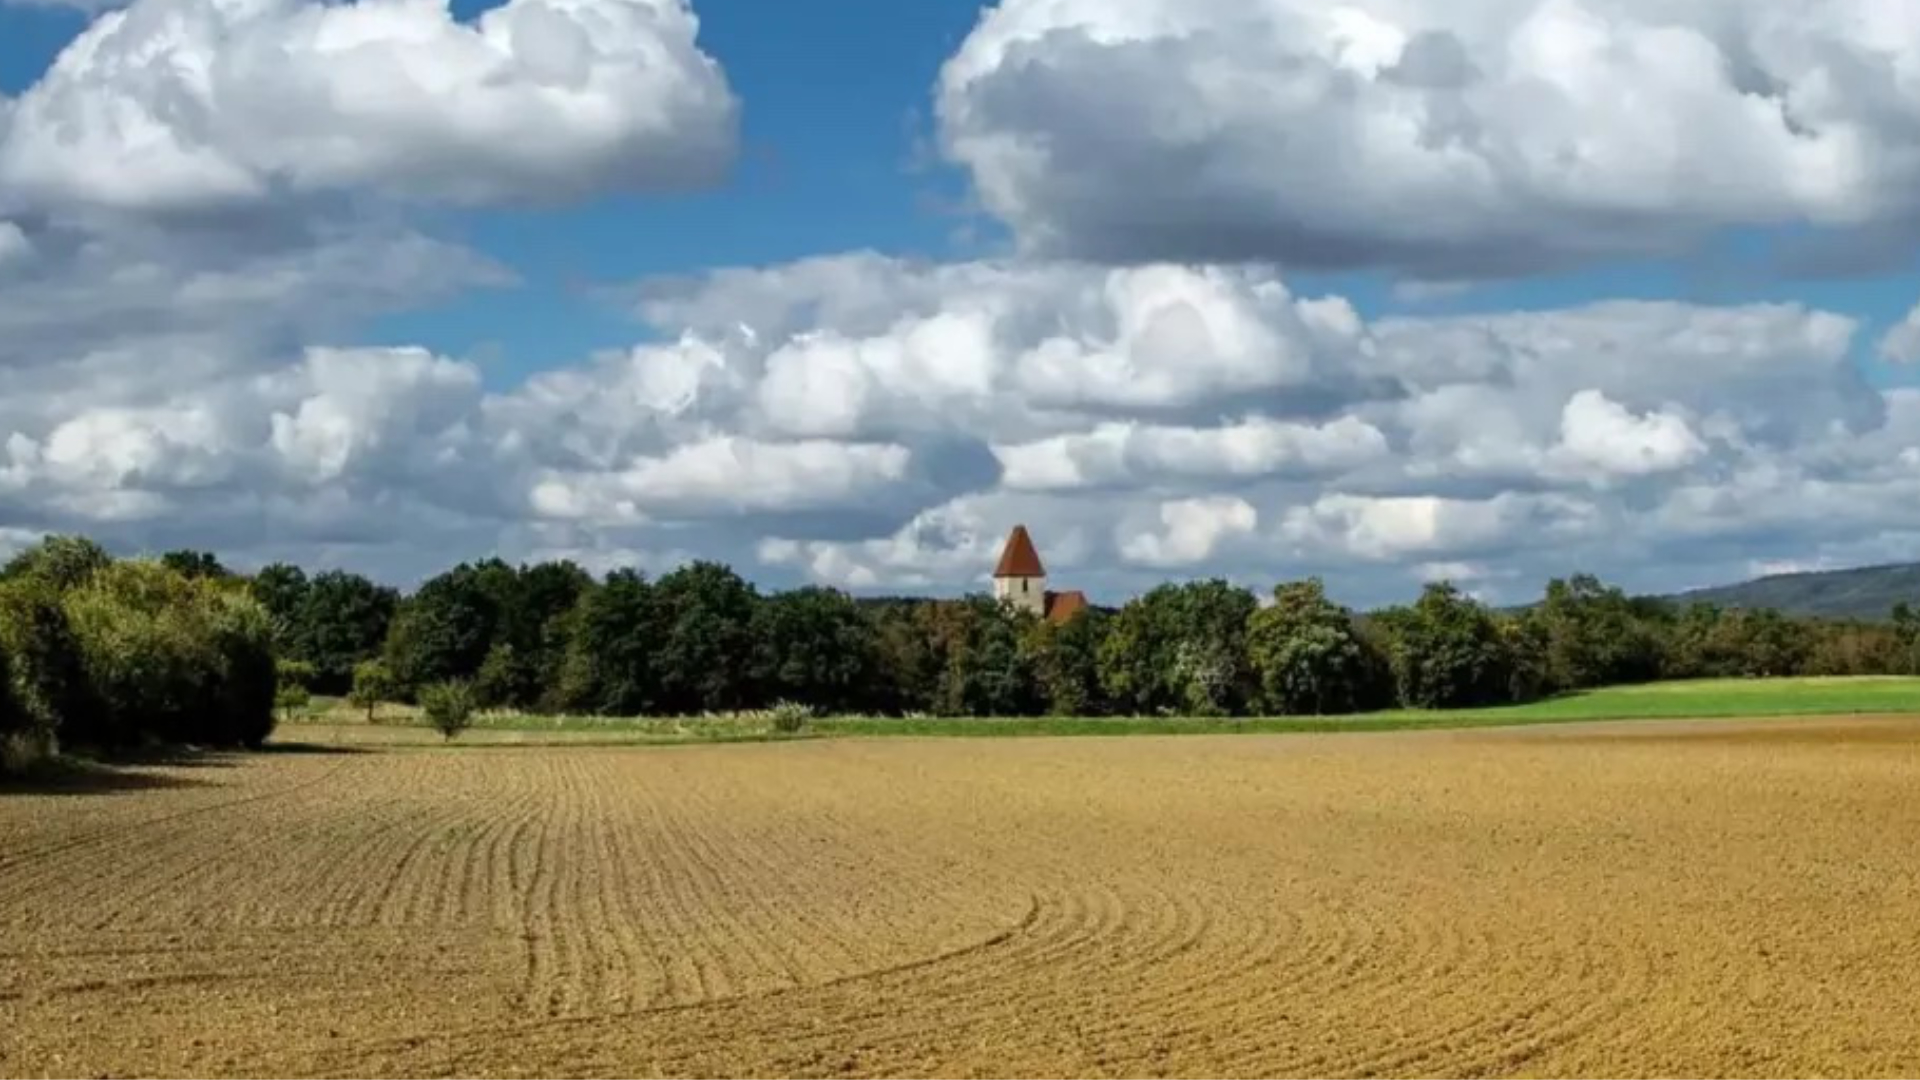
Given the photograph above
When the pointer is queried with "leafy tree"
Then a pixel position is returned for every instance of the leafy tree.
(995, 677)
(340, 620)
(1065, 661)
(241, 707)
(1593, 636)
(193, 564)
(614, 634)
(1180, 648)
(46, 682)
(172, 659)
(281, 589)
(1447, 651)
(535, 624)
(1306, 655)
(1906, 632)
(705, 656)
(1854, 648)
(499, 680)
(1529, 674)
(448, 706)
(443, 631)
(64, 562)
(372, 684)
(290, 698)
(812, 646)
(911, 666)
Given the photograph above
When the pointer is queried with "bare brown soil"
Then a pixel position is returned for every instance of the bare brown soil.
(1644, 899)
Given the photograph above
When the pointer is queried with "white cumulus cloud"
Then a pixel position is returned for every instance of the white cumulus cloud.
(1465, 138)
(201, 104)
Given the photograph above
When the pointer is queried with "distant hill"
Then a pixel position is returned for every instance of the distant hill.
(1867, 592)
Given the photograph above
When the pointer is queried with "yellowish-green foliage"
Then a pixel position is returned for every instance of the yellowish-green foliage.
(170, 658)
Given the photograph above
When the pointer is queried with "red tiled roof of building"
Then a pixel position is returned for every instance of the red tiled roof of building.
(1018, 559)
(1062, 606)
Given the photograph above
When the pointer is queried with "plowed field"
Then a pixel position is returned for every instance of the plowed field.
(1721, 899)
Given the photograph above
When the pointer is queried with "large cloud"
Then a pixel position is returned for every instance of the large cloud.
(194, 105)
(880, 424)
(1471, 137)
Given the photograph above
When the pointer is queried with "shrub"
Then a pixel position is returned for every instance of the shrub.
(290, 698)
(373, 683)
(144, 656)
(790, 717)
(45, 681)
(249, 677)
(171, 659)
(448, 705)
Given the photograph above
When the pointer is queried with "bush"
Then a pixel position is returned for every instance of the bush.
(249, 676)
(144, 656)
(448, 705)
(44, 679)
(790, 717)
(172, 660)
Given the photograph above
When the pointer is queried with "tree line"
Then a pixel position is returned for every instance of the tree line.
(112, 653)
(179, 648)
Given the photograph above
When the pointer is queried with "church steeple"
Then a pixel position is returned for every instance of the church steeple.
(1020, 580)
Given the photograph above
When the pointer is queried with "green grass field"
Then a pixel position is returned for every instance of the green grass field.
(1674, 700)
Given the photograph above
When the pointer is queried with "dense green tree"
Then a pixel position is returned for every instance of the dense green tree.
(812, 646)
(443, 631)
(995, 677)
(705, 657)
(1852, 647)
(65, 562)
(1307, 657)
(340, 620)
(1529, 669)
(501, 679)
(194, 564)
(46, 679)
(1593, 636)
(614, 633)
(1065, 661)
(281, 589)
(1447, 651)
(172, 659)
(1906, 632)
(535, 603)
(1180, 648)
(910, 667)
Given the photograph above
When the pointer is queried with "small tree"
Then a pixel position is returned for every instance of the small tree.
(372, 684)
(290, 698)
(449, 706)
(293, 686)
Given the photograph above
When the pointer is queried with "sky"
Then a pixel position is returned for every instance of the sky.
(1381, 291)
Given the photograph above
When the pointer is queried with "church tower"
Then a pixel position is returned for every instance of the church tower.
(1020, 580)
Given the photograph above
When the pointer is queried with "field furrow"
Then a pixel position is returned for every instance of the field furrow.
(1670, 899)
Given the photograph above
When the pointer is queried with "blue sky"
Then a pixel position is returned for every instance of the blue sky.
(833, 157)
(1282, 288)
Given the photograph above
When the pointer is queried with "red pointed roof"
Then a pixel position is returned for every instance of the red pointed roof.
(1018, 559)
(1062, 606)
